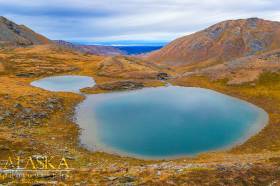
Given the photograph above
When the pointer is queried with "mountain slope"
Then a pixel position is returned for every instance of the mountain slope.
(127, 67)
(12, 34)
(221, 42)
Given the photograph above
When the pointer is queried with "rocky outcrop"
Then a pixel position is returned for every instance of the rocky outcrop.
(121, 85)
(162, 76)
(115, 86)
(28, 116)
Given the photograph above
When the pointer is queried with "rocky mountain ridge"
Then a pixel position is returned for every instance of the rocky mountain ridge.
(224, 41)
(12, 34)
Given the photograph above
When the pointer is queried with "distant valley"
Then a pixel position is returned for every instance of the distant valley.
(135, 50)
(91, 49)
(14, 35)
(108, 50)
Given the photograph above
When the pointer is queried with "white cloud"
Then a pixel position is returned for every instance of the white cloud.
(130, 19)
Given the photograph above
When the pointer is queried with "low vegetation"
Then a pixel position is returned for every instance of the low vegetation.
(36, 123)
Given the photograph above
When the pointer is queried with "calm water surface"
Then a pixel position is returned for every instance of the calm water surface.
(166, 122)
(69, 83)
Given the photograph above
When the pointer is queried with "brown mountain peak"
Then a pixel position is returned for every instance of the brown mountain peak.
(12, 34)
(221, 42)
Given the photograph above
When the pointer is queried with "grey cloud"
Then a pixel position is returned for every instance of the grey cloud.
(111, 19)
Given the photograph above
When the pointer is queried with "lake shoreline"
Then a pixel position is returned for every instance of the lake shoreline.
(260, 123)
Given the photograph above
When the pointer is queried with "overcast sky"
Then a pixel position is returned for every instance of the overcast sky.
(113, 20)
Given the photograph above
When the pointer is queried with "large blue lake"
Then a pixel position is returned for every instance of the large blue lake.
(166, 122)
(158, 123)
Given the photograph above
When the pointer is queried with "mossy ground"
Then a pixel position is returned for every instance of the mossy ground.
(255, 162)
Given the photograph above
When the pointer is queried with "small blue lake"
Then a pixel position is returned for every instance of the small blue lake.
(69, 83)
(166, 122)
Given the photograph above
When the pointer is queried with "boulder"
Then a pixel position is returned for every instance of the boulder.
(162, 76)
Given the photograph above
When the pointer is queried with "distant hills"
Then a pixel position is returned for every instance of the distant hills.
(108, 50)
(221, 42)
(91, 49)
(12, 34)
(236, 50)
